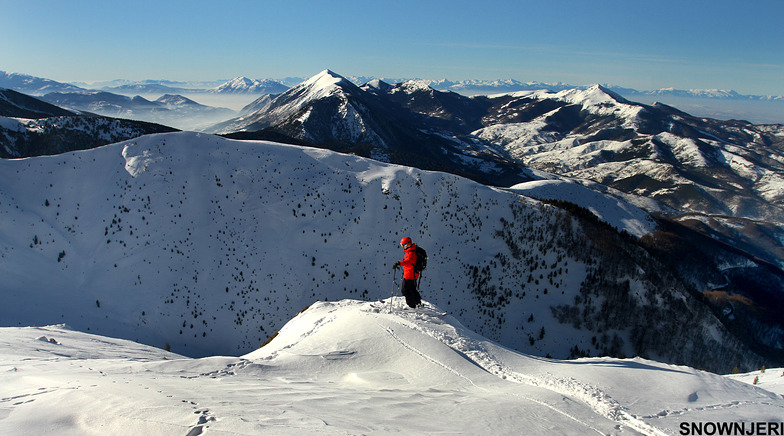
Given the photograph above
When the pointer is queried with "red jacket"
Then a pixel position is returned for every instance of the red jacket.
(408, 263)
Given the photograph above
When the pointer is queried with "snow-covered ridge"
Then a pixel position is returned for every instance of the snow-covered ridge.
(596, 134)
(244, 85)
(14, 124)
(39, 86)
(412, 86)
(596, 99)
(722, 94)
(610, 206)
(380, 371)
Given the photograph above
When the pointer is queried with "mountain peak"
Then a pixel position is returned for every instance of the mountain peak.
(245, 85)
(324, 80)
(603, 89)
(594, 95)
(176, 100)
(412, 86)
(377, 84)
(234, 84)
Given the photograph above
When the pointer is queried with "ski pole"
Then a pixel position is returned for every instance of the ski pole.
(394, 275)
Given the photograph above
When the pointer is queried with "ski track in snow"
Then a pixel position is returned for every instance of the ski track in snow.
(594, 398)
(426, 356)
(430, 359)
(305, 390)
(731, 405)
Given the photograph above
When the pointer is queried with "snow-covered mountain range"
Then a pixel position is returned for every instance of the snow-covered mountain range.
(726, 176)
(329, 109)
(598, 135)
(729, 172)
(210, 245)
(31, 127)
(169, 109)
(723, 94)
(244, 85)
(16, 104)
(348, 367)
(39, 86)
(161, 102)
(32, 85)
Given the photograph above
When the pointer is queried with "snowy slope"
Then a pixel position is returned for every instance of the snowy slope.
(210, 245)
(771, 379)
(350, 367)
(690, 164)
(616, 209)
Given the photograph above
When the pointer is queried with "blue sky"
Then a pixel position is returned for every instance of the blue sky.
(640, 44)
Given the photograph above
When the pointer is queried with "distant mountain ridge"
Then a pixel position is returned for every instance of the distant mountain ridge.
(38, 86)
(16, 104)
(32, 85)
(31, 127)
(169, 109)
(724, 94)
(244, 85)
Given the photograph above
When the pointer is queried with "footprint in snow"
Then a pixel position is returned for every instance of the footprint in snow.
(204, 418)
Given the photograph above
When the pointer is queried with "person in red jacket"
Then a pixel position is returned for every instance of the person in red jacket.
(409, 285)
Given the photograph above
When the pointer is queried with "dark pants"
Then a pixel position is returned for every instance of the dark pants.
(409, 290)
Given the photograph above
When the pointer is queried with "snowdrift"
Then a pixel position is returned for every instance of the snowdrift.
(352, 367)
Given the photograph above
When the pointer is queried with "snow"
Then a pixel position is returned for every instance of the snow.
(245, 85)
(771, 186)
(771, 379)
(685, 149)
(12, 124)
(323, 83)
(413, 86)
(351, 367)
(595, 99)
(739, 164)
(512, 135)
(612, 210)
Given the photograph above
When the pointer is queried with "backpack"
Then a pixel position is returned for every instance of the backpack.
(421, 259)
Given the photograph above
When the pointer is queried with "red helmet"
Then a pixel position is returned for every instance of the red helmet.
(406, 242)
